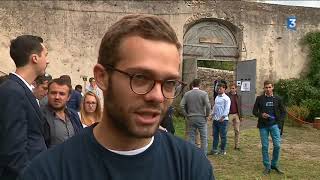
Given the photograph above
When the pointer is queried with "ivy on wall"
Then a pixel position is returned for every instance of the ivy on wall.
(305, 91)
(312, 40)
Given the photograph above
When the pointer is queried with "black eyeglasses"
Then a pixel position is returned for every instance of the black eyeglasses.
(141, 84)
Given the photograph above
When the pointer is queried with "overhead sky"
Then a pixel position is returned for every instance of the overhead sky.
(295, 3)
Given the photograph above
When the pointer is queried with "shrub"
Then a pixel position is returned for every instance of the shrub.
(177, 108)
(293, 91)
(314, 107)
(298, 111)
(312, 40)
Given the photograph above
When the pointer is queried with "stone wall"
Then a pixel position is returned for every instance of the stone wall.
(208, 75)
(73, 30)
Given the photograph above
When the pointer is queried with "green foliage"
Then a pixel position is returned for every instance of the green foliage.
(300, 112)
(177, 108)
(312, 40)
(304, 92)
(225, 65)
(179, 126)
(314, 107)
(294, 91)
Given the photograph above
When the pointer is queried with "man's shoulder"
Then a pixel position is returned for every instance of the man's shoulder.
(224, 96)
(183, 148)
(11, 86)
(49, 162)
(75, 94)
(187, 156)
(11, 90)
(259, 97)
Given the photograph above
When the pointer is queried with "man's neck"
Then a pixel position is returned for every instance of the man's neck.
(26, 73)
(269, 94)
(61, 114)
(115, 140)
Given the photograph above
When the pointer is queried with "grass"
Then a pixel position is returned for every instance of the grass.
(300, 154)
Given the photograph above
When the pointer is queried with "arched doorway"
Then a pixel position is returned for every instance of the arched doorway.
(218, 41)
(210, 40)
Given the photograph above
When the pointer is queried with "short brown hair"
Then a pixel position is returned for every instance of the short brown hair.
(223, 85)
(267, 82)
(146, 26)
(43, 78)
(23, 46)
(61, 82)
(232, 84)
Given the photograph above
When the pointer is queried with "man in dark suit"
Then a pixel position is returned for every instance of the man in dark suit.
(21, 123)
(271, 112)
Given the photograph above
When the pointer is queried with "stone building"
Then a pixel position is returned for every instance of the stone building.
(210, 30)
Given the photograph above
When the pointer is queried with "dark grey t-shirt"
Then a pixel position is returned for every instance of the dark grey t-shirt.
(83, 158)
(61, 131)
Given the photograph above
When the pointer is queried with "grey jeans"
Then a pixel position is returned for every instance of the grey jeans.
(200, 123)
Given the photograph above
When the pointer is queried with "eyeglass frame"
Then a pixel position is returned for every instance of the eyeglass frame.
(131, 76)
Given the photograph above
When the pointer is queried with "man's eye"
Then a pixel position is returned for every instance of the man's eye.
(140, 77)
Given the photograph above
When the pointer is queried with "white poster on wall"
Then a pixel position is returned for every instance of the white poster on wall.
(238, 83)
(245, 86)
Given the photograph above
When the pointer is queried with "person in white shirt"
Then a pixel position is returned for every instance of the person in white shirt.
(95, 89)
(220, 120)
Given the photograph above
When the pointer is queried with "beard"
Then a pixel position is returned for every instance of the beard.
(57, 108)
(121, 115)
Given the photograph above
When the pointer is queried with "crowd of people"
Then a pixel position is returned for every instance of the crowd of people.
(49, 130)
(120, 126)
(226, 107)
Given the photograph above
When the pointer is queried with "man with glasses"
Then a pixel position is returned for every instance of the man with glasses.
(270, 112)
(138, 72)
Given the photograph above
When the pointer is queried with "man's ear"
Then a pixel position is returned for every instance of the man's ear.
(34, 58)
(101, 77)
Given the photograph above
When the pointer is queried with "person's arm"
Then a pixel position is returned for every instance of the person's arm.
(79, 97)
(239, 108)
(207, 105)
(13, 133)
(282, 114)
(281, 109)
(183, 106)
(256, 109)
(226, 108)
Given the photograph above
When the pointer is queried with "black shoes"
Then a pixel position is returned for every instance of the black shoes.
(266, 171)
(277, 170)
(237, 148)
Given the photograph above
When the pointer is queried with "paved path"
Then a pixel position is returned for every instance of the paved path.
(248, 123)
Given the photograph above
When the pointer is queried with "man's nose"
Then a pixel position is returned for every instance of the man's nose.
(155, 94)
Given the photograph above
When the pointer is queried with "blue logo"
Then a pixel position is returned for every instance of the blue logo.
(292, 23)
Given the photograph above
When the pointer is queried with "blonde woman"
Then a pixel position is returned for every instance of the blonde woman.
(90, 109)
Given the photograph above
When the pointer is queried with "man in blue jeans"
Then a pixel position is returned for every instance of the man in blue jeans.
(270, 112)
(220, 114)
(195, 106)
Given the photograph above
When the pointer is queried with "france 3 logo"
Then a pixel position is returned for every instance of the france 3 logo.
(292, 23)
